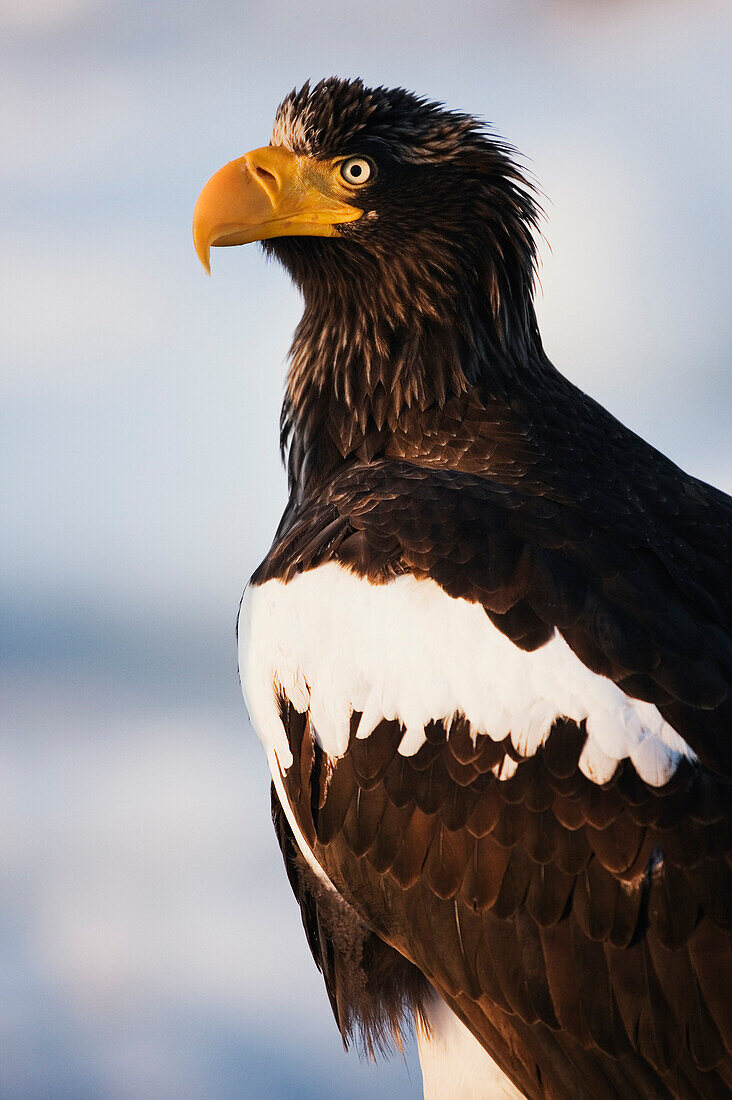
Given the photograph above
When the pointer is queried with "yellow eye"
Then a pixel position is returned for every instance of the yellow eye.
(357, 170)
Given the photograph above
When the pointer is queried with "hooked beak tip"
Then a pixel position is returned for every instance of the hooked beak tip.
(203, 249)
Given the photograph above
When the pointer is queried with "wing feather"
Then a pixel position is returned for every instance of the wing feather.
(576, 926)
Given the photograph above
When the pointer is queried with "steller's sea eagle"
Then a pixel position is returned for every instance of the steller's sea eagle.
(489, 653)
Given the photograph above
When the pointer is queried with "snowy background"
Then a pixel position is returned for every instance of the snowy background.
(149, 947)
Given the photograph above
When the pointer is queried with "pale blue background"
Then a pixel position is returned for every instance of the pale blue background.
(149, 947)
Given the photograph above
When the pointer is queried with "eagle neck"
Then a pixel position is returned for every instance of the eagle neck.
(355, 375)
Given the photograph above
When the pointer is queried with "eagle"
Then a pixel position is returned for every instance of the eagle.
(489, 652)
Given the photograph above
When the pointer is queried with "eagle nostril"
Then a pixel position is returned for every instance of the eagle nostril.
(269, 179)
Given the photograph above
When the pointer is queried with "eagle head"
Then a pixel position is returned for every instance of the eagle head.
(383, 201)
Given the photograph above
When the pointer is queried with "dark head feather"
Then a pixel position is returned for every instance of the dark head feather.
(431, 290)
(337, 115)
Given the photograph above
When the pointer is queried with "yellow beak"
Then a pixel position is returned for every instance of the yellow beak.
(270, 192)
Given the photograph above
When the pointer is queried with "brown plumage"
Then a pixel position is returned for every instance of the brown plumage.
(579, 929)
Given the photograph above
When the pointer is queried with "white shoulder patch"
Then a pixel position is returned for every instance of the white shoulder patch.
(333, 643)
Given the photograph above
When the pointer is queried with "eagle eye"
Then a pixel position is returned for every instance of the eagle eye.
(357, 170)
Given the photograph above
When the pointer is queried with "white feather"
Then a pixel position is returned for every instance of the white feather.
(297, 831)
(290, 129)
(334, 643)
(453, 1062)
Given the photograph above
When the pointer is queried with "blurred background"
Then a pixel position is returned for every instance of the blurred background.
(149, 945)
